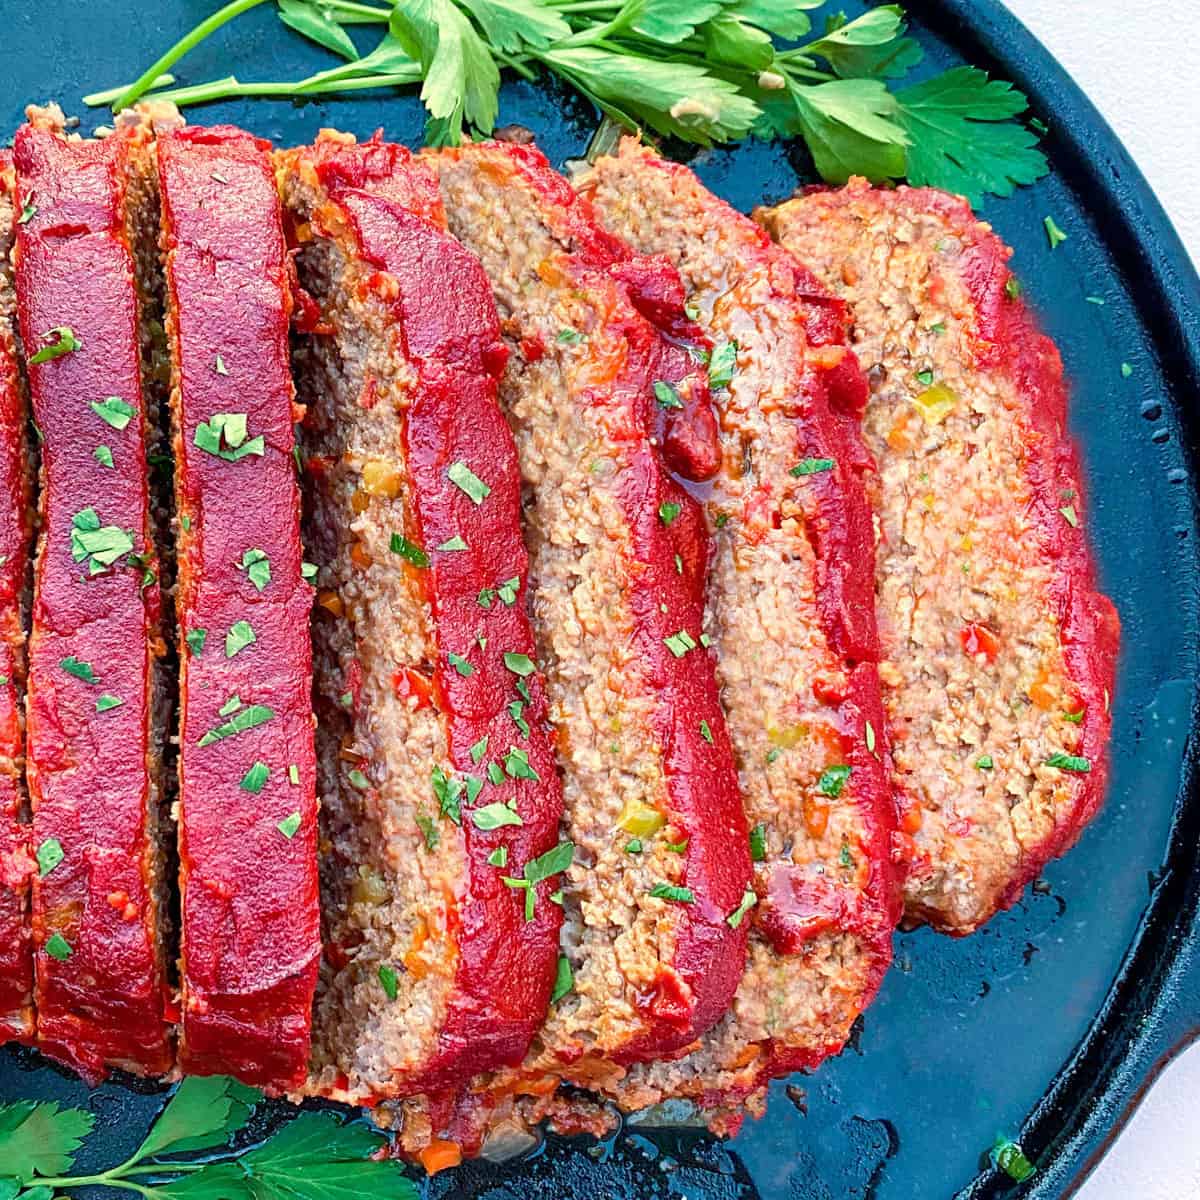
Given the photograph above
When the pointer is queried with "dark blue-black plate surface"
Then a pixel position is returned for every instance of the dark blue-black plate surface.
(1048, 1023)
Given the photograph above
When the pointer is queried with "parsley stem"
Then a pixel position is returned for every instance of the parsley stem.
(356, 14)
(231, 86)
(523, 69)
(98, 99)
(186, 43)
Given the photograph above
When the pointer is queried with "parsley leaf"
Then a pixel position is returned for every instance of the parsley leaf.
(225, 435)
(963, 137)
(41, 1139)
(58, 341)
(204, 1112)
(114, 411)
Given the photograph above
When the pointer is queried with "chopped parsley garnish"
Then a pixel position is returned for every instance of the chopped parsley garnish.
(706, 732)
(49, 855)
(670, 891)
(1126, 370)
(58, 947)
(678, 565)
(677, 847)
(1054, 235)
(1010, 1158)
(984, 762)
(28, 211)
(495, 772)
(195, 639)
(346, 699)
(59, 341)
(255, 779)
(832, 780)
(749, 900)
(1069, 762)
(358, 780)
(107, 703)
(666, 395)
(388, 981)
(1095, 300)
(869, 729)
(564, 979)
(230, 706)
(492, 816)
(486, 597)
(225, 435)
(114, 411)
(293, 775)
(449, 545)
(668, 511)
(243, 718)
(516, 765)
(811, 466)
(103, 455)
(289, 825)
(539, 869)
(569, 337)
(219, 366)
(1068, 514)
(722, 365)
(479, 750)
(1076, 718)
(938, 327)
(1012, 289)
(468, 482)
(498, 857)
(515, 710)
(257, 566)
(409, 550)
(100, 545)
(429, 831)
(924, 378)
(519, 664)
(680, 643)
(240, 635)
(633, 846)
(308, 571)
(448, 791)
(507, 591)
(461, 665)
(758, 842)
(186, 522)
(78, 668)
(844, 857)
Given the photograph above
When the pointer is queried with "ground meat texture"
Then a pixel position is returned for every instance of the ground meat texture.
(94, 737)
(999, 653)
(250, 942)
(600, 359)
(791, 618)
(441, 802)
(16, 862)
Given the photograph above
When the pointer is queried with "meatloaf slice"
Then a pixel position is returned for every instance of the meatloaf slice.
(250, 939)
(999, 650)
(16, 529)
(440, 798)
(601, 355)
(791, 617)
(95, 709)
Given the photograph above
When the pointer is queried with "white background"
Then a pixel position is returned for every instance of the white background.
(1141, 68)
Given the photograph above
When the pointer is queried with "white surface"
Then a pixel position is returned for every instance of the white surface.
(1141, 69)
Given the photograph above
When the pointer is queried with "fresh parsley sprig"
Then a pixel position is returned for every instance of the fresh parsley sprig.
(313, 1157)
(703, 71)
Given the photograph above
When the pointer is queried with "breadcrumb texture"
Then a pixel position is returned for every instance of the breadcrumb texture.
(999, 652)
(791, 617)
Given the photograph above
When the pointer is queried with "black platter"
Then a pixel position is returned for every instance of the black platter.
(1048, 1024)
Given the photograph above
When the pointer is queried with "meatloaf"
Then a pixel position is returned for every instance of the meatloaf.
(999, 652)
(791, 619)
(16, 862)
(250, 941)
(603, 377)
(95, 708)
(440, 798)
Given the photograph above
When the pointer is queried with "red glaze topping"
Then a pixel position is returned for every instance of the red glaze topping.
(447, 327)
(16, 863)
(99, 969)
(250, 934)
(705, 803)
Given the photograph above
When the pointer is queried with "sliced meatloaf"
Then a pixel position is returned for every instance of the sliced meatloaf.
(250, 939)
(999, 652)
(603, 376)
(440, 798)
(791, 619)
(95, 729)
(16, 862)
